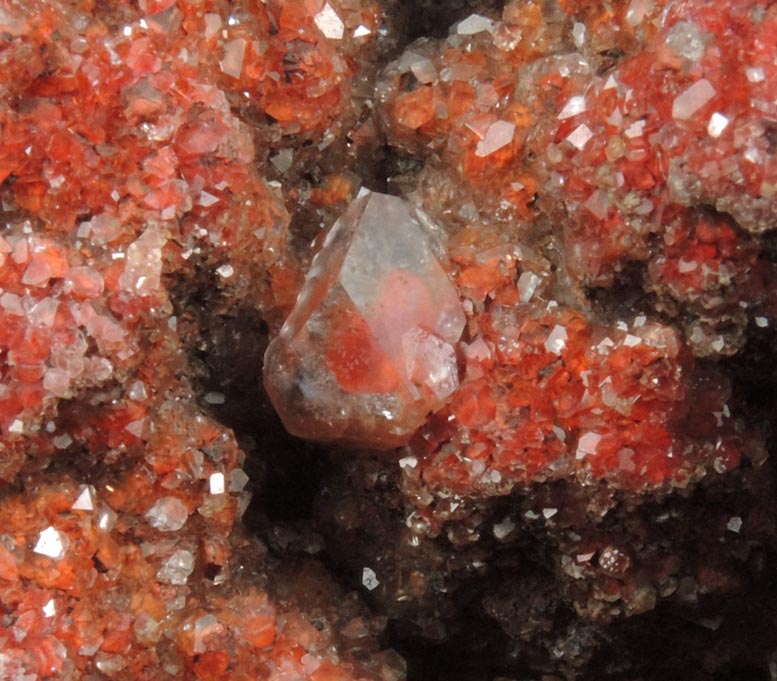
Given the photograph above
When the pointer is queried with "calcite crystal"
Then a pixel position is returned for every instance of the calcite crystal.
(369, 349)
(556, 320)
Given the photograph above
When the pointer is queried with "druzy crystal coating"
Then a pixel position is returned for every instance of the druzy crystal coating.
(369, 349)
(599, 183)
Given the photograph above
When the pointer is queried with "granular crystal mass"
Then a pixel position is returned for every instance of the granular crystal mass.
(504, 269)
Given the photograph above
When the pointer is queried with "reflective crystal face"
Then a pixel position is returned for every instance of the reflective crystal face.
(368, 350)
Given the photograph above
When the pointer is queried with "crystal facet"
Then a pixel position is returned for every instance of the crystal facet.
(368, 351)
(51, 542)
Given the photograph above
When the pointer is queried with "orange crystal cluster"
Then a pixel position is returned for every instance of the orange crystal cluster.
(573, 151)
(127, 162)
(548, 394)
(642, 134)
(542, 327)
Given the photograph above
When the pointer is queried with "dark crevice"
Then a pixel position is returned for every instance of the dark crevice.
(413, 19)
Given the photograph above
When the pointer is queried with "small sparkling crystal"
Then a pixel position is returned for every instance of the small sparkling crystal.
(177, 568)
(369, 579)
(216, 483)
(85, 500)
(557, 340)
(498, 135)
(50, 608)
(474, 23)
(168, 514)
(580, 136)
(718, 123)
(330, 24)
(734, 524)
(51, 543)
(689, 101)
(575, 106)
(504, 528)
(587, 444)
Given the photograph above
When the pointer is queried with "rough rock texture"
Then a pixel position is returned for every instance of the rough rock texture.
(133, 171)
(561, 290)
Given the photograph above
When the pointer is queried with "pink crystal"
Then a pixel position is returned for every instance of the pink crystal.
(689, 101)
(368, 351)
(499, 135)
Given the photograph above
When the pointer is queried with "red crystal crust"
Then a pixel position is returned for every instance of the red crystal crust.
(663, 152)
(126, 169)
(605, 175)
(562, 175)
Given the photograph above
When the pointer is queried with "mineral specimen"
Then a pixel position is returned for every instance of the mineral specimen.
(369, 350)
(127, 174)
(557, 317)
(585, 161)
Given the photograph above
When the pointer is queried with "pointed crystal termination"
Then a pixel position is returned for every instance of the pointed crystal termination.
(369, 349)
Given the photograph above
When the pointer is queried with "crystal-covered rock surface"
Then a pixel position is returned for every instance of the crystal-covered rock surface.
(368, 350)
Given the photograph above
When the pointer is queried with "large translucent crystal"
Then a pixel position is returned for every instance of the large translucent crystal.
(368, 350)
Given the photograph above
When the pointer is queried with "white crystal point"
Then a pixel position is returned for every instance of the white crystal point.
(168, 514)
(177, 568)
(369, 349)
(474, 23)
(85, 500)
(498, 135)
(690, 100)
(329, 23)
(51, 542)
